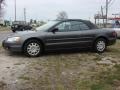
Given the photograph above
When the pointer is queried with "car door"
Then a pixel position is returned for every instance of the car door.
(84, 36)
(69, 35)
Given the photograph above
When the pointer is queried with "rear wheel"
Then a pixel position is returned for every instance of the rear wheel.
(100, 45)
(33, 48)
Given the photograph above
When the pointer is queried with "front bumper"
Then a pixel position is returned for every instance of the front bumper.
(13, 47)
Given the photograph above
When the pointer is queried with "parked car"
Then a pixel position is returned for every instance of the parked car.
(116, 27)
(117, 30)
(60, 35)
(19, 27)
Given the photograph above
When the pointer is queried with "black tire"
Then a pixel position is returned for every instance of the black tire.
(26, 45)
(100, 48)
(13, 31)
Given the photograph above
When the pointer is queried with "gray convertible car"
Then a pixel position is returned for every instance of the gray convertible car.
(60, 35)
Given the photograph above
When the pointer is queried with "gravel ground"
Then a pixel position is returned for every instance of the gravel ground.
(61, 71)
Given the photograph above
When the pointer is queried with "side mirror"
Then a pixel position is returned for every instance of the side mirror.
(55, 30)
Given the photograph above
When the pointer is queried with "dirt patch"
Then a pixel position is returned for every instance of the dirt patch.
(63, 71)
(10, 69)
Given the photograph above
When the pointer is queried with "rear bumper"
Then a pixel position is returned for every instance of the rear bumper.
(118, 37)
(118, 34)
(13, 47)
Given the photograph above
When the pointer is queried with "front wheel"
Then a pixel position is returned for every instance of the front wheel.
(100, 45)
(33, 48)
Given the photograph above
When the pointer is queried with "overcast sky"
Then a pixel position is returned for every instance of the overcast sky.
(48, 9)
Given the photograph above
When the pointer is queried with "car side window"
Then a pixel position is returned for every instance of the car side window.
(72, 26)
(83, 26)
(63, 27)
(75, 26)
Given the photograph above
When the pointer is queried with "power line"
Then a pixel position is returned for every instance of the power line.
(109, 3)
(112, 3)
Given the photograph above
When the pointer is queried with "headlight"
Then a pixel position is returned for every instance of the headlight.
(13, 39)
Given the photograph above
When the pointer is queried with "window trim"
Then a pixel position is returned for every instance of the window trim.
(73, 30)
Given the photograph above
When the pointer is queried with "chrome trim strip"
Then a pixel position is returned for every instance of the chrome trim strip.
(47, 44)
(69, 48)
(69, 38)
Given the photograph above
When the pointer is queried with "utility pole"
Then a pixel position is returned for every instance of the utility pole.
(15, 10)
(106, 12)
(98, 18)
(102, 16)
(25, 14)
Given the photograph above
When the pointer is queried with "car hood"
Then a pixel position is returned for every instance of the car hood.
(25, 34)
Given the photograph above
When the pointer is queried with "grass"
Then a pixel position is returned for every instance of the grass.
(107, 80)
(74, 71)
(98, 57)
(24, 78)
(0, 45)
(2, 85)
(18, 63)
(4, 28)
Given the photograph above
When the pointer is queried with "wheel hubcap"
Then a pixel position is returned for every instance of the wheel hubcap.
(101, 46)
(33, 49)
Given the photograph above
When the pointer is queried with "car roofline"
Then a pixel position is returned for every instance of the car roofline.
(72, 20)
(81, 20)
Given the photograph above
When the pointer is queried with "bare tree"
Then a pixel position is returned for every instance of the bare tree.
(2, 3)
(62, 15)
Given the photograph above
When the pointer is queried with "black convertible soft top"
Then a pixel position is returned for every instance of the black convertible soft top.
(89, 23)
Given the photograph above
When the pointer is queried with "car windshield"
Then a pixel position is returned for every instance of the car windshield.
(47, 26)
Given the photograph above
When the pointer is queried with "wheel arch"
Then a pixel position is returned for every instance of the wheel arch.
(33, 38)
(103, 37)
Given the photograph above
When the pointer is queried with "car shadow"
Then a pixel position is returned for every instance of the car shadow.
(15, 54)
(55, 53)
(67, 52)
